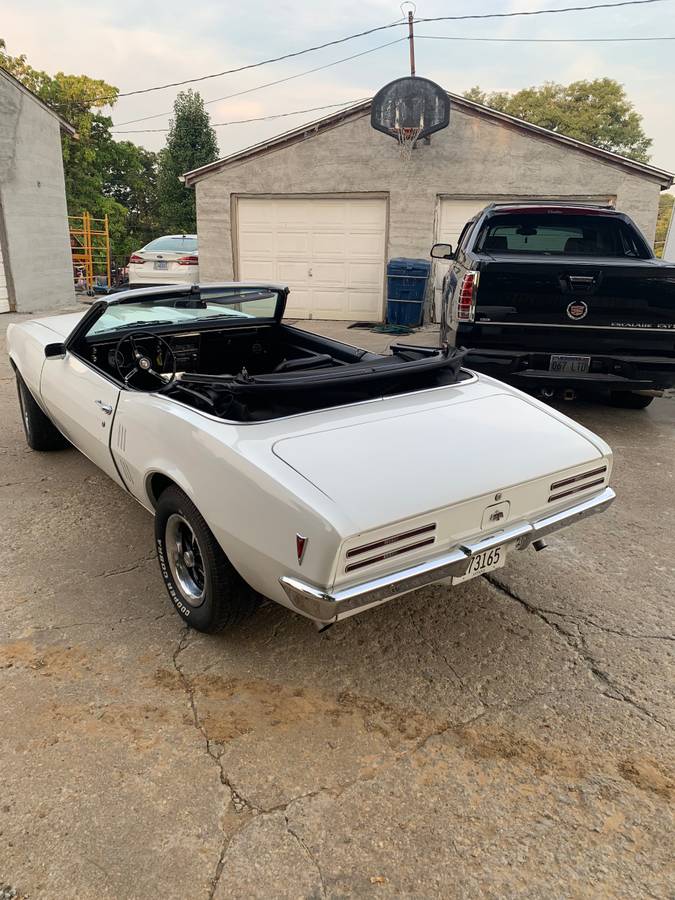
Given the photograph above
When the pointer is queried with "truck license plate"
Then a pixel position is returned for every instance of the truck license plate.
(487, 561)
(161, 264)
(570, 365)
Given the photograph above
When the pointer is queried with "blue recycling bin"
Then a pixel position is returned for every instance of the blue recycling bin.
(406, 288)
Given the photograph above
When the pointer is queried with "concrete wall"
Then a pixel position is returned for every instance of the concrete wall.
(473, 157)
(34, 230)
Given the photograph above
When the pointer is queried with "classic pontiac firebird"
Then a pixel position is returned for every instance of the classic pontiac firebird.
(285, 465)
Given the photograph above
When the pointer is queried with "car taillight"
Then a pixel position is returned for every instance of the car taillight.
(188, 261)
(466, 299)
(136, 260)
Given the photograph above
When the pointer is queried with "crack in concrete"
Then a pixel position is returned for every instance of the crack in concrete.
(308, 853)
(580, 648)
(238, 802)
(131, 568)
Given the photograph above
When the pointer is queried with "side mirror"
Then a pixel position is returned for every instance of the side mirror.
(442, 251)
(55, 351)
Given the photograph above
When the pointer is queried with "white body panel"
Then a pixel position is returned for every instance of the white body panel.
(339, 477)
(330, 252)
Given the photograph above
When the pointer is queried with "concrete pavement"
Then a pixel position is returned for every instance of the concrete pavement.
(513, 737)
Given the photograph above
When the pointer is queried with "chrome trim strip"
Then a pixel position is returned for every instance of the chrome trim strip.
(668, 329)
(325, 606)
(392, 539)
(582, 476)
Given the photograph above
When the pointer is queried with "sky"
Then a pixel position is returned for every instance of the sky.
(136, 45)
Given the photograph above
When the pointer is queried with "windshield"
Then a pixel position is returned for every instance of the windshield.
(180, 243)
(188, 309)
(560, 235)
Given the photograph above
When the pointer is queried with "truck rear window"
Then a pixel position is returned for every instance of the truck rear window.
(561, 235)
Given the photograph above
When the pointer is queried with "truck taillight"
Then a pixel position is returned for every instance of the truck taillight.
(188, 261)
(466, 300)
(136, 260)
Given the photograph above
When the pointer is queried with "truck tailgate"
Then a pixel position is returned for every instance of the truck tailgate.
(605, 294)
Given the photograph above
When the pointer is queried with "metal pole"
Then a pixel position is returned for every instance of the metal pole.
(411, 38)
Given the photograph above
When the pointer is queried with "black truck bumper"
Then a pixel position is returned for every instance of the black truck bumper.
(614, 372)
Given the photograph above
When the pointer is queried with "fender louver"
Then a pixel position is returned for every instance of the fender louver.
(576, 483)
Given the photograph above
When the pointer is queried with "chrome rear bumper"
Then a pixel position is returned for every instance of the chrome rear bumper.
(323, 606)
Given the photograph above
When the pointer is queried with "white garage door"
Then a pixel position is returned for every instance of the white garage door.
(330, 252)
(4, 294)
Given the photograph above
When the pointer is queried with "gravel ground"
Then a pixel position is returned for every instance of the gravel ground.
(513, 737)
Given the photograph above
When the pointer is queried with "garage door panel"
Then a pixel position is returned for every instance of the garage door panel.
(291, 270)
(364, 274)
(330, 252)
(259, 269)
(364, 305)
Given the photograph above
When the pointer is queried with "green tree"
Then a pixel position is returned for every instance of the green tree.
(191, 142)
(102, 176)
(666, 202)
(597, 112)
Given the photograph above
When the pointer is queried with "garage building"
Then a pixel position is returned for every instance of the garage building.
(35, 260)
(323, 207)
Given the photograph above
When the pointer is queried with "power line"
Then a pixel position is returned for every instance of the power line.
(295, 112)
(259, 87)
(617, 40)
(351, 37)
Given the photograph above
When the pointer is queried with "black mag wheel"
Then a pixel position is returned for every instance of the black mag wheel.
(207, 591)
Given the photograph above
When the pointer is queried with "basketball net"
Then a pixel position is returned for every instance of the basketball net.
(407, 138)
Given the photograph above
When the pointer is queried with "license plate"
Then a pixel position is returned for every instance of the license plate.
(487, 561)
(570, 365)
(161, 264)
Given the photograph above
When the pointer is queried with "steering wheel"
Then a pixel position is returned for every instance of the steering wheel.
(141, 363)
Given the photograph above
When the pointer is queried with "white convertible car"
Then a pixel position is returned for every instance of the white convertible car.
(285, 465)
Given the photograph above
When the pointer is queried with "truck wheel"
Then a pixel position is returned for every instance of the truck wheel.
(203, 585)
(629, 400)
(39, 431)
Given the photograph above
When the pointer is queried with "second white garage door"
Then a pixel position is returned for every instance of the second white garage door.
(330, 253)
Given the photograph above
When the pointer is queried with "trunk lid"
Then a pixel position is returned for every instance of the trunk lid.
(388, 470)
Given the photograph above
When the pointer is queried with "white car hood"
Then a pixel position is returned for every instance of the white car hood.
(389, 469)
(61, 325)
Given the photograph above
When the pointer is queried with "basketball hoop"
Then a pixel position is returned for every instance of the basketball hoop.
(407, 138)
(408, 110)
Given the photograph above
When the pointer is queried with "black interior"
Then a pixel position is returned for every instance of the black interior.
(252, 373)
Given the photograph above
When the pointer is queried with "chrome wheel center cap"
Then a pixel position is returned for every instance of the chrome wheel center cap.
(189, 558)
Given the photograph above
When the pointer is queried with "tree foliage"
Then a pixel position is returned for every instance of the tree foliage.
(102, 176)
(666, 202)
(191, 143)
(597, 112)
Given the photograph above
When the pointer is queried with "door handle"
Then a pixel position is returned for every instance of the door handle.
(104, 407)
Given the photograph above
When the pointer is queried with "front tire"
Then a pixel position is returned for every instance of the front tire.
(207, 591)
(40, 433)
(629, 400)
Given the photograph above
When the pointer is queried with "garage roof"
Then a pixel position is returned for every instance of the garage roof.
(359, 110)
(65, 126)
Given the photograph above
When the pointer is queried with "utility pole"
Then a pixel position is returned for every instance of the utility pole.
(411, 38)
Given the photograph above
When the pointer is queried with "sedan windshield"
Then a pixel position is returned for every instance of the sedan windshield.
(188, 309)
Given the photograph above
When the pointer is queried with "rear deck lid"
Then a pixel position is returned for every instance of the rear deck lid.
(386, 470)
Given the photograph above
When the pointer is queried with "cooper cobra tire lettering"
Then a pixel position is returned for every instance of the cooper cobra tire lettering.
(168, 582)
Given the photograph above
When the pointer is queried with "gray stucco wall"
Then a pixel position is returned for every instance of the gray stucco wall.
(473, 157)
(33, 203)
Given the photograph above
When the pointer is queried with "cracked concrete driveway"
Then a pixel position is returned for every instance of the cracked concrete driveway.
(513, 737)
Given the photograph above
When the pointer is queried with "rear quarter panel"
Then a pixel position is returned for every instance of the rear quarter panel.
(253, 503)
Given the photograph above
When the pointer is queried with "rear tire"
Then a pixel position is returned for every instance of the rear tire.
(207, 591)
(40, 433)
(629, 400)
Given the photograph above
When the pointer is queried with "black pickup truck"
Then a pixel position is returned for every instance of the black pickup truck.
(560, 299)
